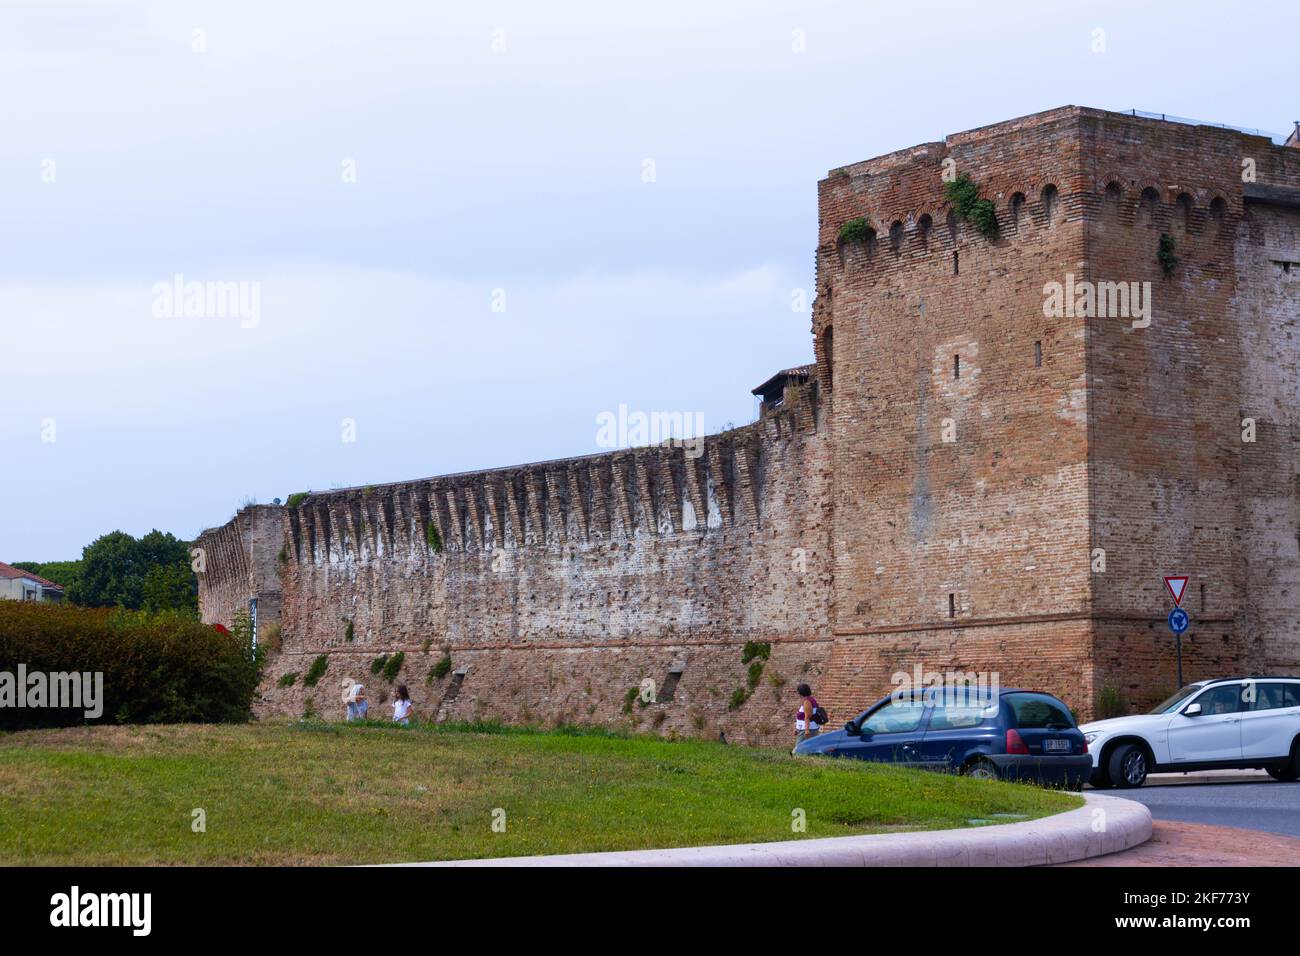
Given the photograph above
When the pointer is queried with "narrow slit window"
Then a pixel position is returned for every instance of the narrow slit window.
(952, 605)
(956, 269)
(1038, 354)
(1202, 597)
(956, 366)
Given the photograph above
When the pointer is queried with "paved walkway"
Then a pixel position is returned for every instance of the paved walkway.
(1198, 844)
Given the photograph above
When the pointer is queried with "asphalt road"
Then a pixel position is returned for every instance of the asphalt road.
(1269, 806)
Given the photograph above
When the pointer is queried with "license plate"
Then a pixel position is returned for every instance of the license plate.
(1056, 745)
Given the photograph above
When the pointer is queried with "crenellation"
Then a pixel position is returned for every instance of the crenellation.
(601, 497)
(719, 481)
(556, 492)
(645, 519)
(536, 533)
(456, 536)
(577, 524)
(494, 495)
(473, 522)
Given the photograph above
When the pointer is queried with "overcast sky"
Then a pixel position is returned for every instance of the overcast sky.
(384, 173)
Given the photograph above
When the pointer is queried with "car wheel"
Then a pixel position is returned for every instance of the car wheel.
(1099, 780)
(1127, 767)
(982, 770)
(1287, 772)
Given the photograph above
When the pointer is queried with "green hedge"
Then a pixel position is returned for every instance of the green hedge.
(158, 668)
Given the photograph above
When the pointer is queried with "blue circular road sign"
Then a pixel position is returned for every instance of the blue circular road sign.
(1178, 620)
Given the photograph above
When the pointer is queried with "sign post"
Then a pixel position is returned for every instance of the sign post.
(1176, 585)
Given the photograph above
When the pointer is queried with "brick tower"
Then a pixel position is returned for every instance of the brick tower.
(1010, 486)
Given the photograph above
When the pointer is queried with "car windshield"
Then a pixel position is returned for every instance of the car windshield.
(1172, 702)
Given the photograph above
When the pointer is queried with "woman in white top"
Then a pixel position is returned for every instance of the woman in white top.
(402, 706)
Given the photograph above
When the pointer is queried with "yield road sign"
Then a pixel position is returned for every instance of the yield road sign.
(1176, 584)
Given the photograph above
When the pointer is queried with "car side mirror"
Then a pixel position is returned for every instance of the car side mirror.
(1192, 710)
(851, 727)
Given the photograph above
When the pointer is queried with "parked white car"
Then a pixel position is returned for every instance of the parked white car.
(1232, 723)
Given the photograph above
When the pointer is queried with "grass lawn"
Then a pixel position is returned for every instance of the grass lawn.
(331, 793)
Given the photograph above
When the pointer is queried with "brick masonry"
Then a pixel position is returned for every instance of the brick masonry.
(941, 493)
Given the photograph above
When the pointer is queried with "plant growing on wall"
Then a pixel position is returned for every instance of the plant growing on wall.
(316, 671)
(755, 674)
(435, 539)
(441, 669)
(378, 663)
(629, 697)
(349, 632)
(964, 194)
(393, 666)
(1110, 703)
(287, 680)
(753, 650)
(738, 697)
(295, 499)
(857, 230)
(1166, 254)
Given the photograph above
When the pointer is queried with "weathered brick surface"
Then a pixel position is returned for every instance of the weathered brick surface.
(1124, 439)
(562, 585)
(937, 495)
(239, 561)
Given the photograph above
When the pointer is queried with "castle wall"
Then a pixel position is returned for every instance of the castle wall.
(1165, 408)
(239, 563)
(968, 483)
(1267, 308)
(561, 586)
(1175, 489)
(961, 553)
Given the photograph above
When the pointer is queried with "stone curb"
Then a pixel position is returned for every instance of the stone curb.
(1061, 838)
(1208, 776)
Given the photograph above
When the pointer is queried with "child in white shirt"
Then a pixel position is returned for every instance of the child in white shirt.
(402, 706)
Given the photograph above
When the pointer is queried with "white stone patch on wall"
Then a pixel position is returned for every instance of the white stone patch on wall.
(689, 521)
(714, 519)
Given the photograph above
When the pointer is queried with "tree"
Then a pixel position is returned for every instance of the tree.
(151, 573)
(64, 573)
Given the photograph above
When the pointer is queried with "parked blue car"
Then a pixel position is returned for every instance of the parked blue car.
(1020, 735)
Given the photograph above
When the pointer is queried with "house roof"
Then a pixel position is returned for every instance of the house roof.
(10, 573)
(773, 386)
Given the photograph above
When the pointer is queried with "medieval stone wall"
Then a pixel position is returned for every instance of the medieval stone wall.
(1175, 487)
(1087, 458)
(561, 587)
(967, 483)
(960, 416)
(239, 563)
